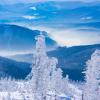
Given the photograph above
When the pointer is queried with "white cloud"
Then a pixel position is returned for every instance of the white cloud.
(73, 37)
(12, 53)
(35, 16)
(87, 18)
(29, 17)
(33, 8)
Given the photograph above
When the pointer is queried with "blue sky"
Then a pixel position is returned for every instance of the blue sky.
(28, 1)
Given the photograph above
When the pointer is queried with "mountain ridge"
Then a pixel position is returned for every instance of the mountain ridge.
(14, 69)
(71, 60)
(14, 37)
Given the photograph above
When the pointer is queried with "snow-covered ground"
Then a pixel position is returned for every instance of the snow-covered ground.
(28, 96)
(24, 95)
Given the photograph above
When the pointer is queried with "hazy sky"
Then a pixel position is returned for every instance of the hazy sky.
(28, 1)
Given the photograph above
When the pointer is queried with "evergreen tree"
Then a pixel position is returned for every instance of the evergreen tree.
(40, 68)
(91, 89)
(45, 76)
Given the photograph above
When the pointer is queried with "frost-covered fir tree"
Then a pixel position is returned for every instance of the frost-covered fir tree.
(58, 84)
(65, 85)
(8, 96)
(91, 89)
(40, 69)
(56, 80)
(45, 76)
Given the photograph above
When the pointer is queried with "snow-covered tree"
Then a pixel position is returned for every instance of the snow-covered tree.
(91, 89)
(40, 68)
(45, 76)
(58, 84)
(8, 84)
(65, 85)
(8, 96)
(56, 80)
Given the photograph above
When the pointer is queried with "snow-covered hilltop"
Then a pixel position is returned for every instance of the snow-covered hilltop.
(46, 82)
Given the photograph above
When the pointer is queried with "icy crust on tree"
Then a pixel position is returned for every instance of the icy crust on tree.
(92, 78)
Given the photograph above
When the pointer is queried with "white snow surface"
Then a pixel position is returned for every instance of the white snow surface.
(29, 96)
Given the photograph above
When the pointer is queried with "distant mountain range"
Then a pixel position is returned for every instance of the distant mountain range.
(17, 38)
(72, 60)
(14, 69)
